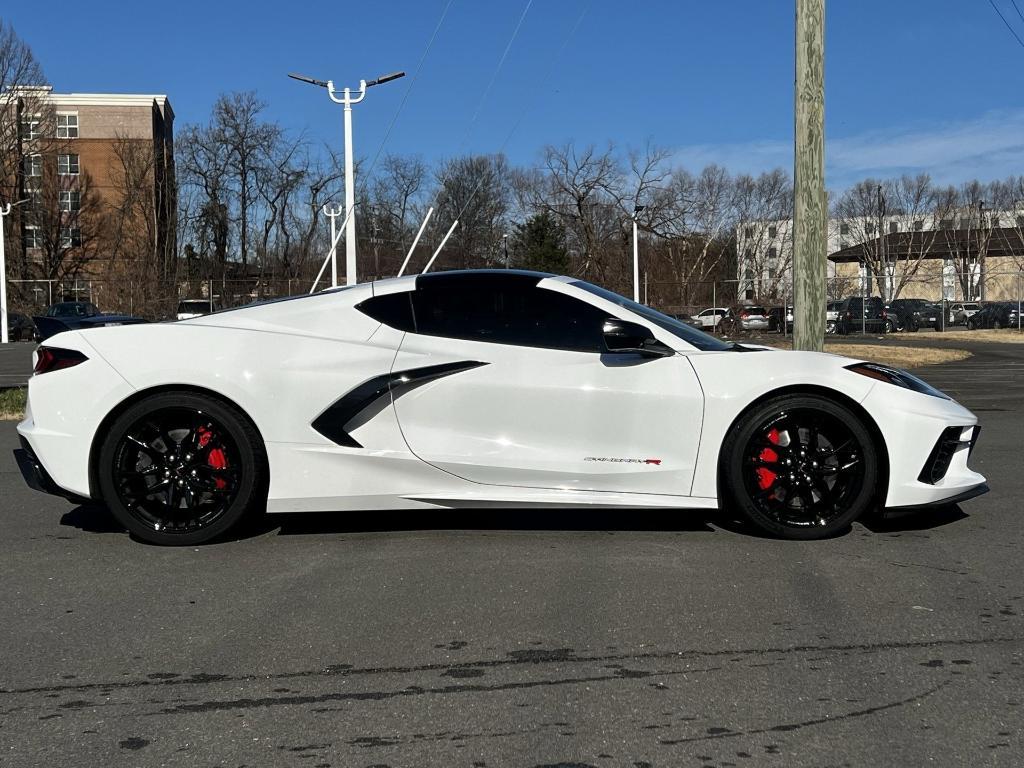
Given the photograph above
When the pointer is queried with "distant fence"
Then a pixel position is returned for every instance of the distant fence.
(153, 299)
(158, 299)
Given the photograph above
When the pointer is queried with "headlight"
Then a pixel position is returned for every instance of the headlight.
(897, 377)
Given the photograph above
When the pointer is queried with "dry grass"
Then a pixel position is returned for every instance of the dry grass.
(898, 357)
(1004, 335)
(12, 404)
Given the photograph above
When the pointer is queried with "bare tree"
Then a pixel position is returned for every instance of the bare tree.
(764, 210)
(475, 190)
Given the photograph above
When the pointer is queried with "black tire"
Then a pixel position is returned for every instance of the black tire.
(181, 468)
(751, 478)
(890, 327)
(971, 325)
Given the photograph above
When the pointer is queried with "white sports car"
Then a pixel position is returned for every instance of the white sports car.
(476, 389)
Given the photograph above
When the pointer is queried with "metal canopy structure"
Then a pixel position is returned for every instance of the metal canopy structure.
(937, 244)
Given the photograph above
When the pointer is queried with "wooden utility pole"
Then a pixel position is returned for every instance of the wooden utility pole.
(810, 209)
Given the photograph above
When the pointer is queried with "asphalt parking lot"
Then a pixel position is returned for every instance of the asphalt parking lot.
(548, 638)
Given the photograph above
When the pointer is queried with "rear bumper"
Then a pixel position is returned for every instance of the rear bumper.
(36, 476)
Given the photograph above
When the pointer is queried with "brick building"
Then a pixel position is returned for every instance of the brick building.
(96, 175)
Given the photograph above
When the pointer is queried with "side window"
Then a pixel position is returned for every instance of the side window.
(506, 310)
(392, 309)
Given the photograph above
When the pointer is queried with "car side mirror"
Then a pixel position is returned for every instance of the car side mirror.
(622, 336)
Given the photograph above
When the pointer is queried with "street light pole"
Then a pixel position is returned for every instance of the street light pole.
(347, 100)
(332, 213)
(5, 211)
(636, 255)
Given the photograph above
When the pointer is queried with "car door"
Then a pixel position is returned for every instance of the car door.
(525, 395)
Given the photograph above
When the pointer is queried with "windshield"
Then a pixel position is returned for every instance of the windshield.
(687, 333)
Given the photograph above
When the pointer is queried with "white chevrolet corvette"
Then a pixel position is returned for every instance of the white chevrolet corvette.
(476, 389)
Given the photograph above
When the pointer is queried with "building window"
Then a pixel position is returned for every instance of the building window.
(773, 231)
(33, 165)
(67, 126)
(1020, 221)
(67, 165)
(34, 195)
(748, 232)
(995, 222)
(893, 227)
(844, 229)
(965, 223)
(70, 200)
(946, 224)
(30, 127)
(33, 238)
(918, 225)
(70, 237)
(772, 254)
(869, 228)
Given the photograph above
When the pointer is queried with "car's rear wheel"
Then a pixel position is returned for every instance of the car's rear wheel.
(800, 467)
(181, 468)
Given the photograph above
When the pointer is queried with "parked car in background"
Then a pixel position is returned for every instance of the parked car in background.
(912, 314)
(711, 317)
(997, 314)
(960, 311)
(857, 313)
(775, 315)
(76, 315)
(832, 316)
(20, 327)
(72, 309)
(189, 308)
(744, 318)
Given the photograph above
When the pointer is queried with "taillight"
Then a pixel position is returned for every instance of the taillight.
(743, 314)
(54, 359)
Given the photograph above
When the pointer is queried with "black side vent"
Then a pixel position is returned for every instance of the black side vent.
(942, 454)
(332, 422)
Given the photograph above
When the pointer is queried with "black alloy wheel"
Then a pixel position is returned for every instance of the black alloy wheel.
(181, 468)
(801, 467)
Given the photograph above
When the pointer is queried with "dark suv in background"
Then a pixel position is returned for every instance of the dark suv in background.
(857, 313)
(997, 314)
(912, 314)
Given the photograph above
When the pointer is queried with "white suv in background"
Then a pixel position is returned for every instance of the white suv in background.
(710, 318)
(959, 312)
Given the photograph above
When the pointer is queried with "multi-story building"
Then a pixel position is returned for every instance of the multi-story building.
(97, 184)
(959, 255)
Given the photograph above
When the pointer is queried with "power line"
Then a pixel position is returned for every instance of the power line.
(1017, 9)
(523, 113)
(1012, 30)
(408, 90)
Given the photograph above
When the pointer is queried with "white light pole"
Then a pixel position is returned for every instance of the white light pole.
(4, 213)
(332, 213)
(636, 256)
(347, 100)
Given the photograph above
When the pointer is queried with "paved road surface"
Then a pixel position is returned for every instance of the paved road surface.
(523, 638)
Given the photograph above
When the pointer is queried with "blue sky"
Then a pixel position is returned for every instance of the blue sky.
(912, 85)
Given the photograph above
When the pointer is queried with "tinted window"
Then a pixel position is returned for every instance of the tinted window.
(505, 309)
(392, 309)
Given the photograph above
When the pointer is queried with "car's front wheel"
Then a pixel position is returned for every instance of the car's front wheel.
(181, 468)
(800, 467)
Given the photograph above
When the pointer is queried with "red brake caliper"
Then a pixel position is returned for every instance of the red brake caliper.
(216, 459)
(765, 477)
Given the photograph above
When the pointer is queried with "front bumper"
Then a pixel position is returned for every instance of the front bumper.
(913, 425)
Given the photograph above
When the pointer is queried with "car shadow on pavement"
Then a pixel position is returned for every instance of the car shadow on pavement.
(94, 518)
